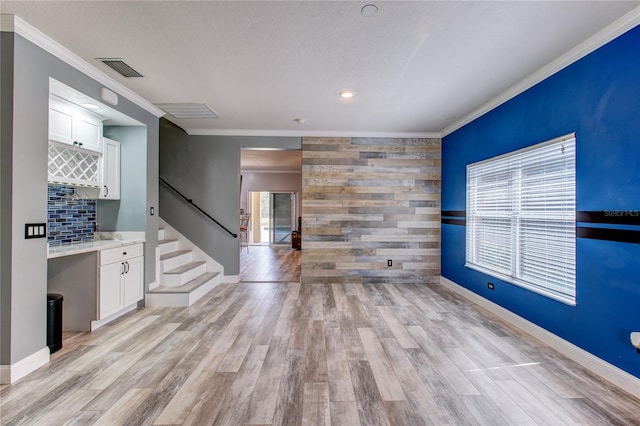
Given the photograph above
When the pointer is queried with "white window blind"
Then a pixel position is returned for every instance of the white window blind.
(521, 217)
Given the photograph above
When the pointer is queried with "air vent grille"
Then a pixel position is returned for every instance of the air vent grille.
(186, 111)
(119, 66)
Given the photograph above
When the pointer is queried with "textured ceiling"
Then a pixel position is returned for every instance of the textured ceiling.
(416, 67)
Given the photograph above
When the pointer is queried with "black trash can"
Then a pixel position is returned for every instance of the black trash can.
(54, 322)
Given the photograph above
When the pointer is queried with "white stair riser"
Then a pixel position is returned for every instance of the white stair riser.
(175, 280)
(165, 248)
(204, 289)
(181, 299)
(176, 261)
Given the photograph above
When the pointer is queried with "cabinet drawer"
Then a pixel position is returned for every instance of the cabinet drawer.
(119, 254)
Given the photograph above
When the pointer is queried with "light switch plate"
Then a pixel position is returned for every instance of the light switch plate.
(35, 230)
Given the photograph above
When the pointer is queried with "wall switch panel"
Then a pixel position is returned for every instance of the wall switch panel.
(35, 230)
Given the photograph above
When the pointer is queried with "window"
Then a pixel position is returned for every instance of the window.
(521, 218)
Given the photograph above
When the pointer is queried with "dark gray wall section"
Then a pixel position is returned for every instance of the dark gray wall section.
(6, 148)
(28, 282)
(207, 170)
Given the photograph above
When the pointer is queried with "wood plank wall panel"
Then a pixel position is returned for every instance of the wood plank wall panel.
(367, 200)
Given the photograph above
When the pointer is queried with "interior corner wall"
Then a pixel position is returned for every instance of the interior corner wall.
(207, 170)
(366, 201)
(6, 165)
(598, 97)
(128, 213)
(32, 68)
(138, 189)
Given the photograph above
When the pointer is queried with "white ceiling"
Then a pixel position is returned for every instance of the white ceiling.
(416, 67)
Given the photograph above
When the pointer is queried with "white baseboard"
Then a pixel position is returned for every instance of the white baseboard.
(609, 372)
(11, 373)
(231, 279)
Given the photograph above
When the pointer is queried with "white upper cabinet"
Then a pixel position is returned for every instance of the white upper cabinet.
(72, 125)
(110, 170)
(60, 121)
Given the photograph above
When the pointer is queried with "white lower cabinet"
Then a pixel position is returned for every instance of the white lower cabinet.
(121, 279)
(133, 281)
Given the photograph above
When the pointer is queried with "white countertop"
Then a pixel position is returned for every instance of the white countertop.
(118, 240)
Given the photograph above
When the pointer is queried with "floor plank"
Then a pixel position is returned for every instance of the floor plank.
(341, 354)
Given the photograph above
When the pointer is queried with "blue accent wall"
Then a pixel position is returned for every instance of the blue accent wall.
(598, 97)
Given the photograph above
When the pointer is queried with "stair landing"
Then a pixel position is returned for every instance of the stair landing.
(184, 295)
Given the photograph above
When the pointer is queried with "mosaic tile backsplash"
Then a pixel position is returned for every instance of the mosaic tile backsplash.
(69, 220)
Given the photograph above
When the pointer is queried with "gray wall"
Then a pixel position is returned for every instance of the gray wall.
(207, 169)
(28, 282)
(6, 148)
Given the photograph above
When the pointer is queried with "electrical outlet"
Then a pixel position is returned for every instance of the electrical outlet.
(389, 262)
(490, 286)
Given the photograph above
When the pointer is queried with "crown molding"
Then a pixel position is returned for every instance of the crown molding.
(312, 133)
(604, 36)
(15, 24)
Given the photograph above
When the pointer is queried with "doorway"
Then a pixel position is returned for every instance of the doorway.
(274, 217)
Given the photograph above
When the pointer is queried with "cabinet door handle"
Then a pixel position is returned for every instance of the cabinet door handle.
(122, 268)
(106, 190)
(127, 271)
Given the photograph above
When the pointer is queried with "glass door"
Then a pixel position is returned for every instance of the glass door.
(281, 217)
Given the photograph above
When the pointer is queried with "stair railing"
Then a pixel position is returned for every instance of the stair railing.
(190, 201)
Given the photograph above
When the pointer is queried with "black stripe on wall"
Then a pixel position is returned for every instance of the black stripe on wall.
(455, 213)
(454, 221)
(618, 217)
(620, 235)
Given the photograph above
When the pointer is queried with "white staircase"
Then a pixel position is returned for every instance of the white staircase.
(184, 273)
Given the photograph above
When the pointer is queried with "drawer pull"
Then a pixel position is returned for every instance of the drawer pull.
(124, 253)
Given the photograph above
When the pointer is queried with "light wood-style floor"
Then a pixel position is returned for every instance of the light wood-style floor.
(286, 354)
(263, 263)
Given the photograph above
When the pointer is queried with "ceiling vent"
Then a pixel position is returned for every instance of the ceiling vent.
(119, 66)
(185, 111)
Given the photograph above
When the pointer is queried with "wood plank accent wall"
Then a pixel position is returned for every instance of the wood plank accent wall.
(367, 200)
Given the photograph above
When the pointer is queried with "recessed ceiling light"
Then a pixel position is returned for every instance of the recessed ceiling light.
(369, 10)
(90, 106)
(299, 120)
(346, 93)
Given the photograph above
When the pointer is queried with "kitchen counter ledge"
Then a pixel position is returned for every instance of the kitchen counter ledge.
(102, 241)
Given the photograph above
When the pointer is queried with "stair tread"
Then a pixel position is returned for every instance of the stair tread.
(167, 241)
(189, 286)
(184, 268)
(174, 254)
